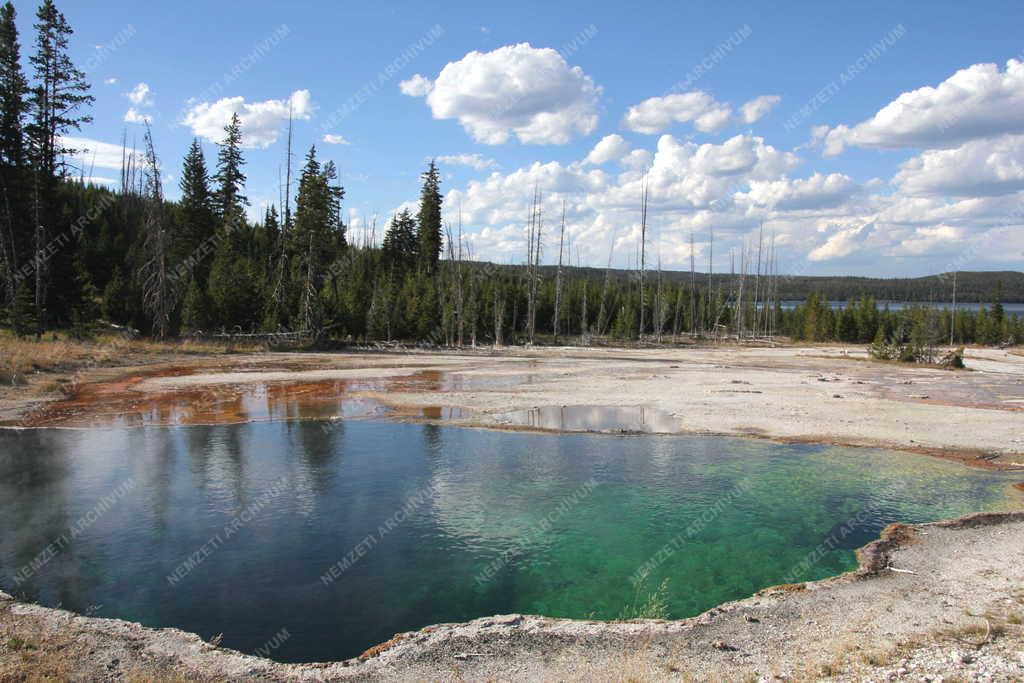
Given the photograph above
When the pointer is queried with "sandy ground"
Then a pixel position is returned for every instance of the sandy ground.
(931, 602)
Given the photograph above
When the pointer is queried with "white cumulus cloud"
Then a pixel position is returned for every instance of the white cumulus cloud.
(929, 240)
(708, 115)
(133, 115)
(262, 122)
(417, 86)
(475, 161)
(517, 90)
(656, 114)
(758, 108)
(91, 153)
(980, 101)
(816, 192)
(610, 148)
(140, 95)
(979, 167)
(332, 139)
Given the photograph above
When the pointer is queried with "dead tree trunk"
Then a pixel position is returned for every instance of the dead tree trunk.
(499, 314)
(459, 294)
(711, 252)
(157, 288)
(693, 291)
(558, 275)
(643, 249)
(535, 271)
(583, 319)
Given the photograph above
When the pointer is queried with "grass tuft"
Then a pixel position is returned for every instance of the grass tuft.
(654, 606)
(16, 644)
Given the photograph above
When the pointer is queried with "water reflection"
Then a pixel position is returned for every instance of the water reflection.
(131, 402)
(488, 491)
(582, 418)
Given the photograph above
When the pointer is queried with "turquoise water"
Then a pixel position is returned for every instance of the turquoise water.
(344, 534)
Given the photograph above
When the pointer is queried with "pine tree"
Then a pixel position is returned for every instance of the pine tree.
(335, 195)
(997, 304)
(379, 315)
(59, 93)
(271, 237)
(13, 89)
(85, 311)
(315, 232)
(847, 324)
(229, 201)
(115, 296)
(400, 244)
(429, 220)
(198, 222)
(15, 235)
(234, 287)
(195, 314)
(234, 290)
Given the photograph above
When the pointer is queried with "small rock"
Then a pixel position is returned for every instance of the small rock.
(723, 646)
(836, 396)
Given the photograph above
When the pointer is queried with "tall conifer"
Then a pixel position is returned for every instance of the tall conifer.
(55, 101)
(196, 215)
(15, 235)
(430, 219)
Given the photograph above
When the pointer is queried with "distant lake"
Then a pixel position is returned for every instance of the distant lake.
(346, 533)
(1011, 309)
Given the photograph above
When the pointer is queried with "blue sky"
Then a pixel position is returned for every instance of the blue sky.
(841, 198)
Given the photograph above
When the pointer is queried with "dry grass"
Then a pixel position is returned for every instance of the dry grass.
(25, 654)
(790, 587)
(32, 653)
(143, 676)
(636, 667)
(381, 647)
(848, 658)
(987, 627)
(21, 357)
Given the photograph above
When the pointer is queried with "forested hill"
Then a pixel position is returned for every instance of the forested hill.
(980, 287)
(975, 287)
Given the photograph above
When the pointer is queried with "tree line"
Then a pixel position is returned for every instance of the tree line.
(862, 321)
(73, 253)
